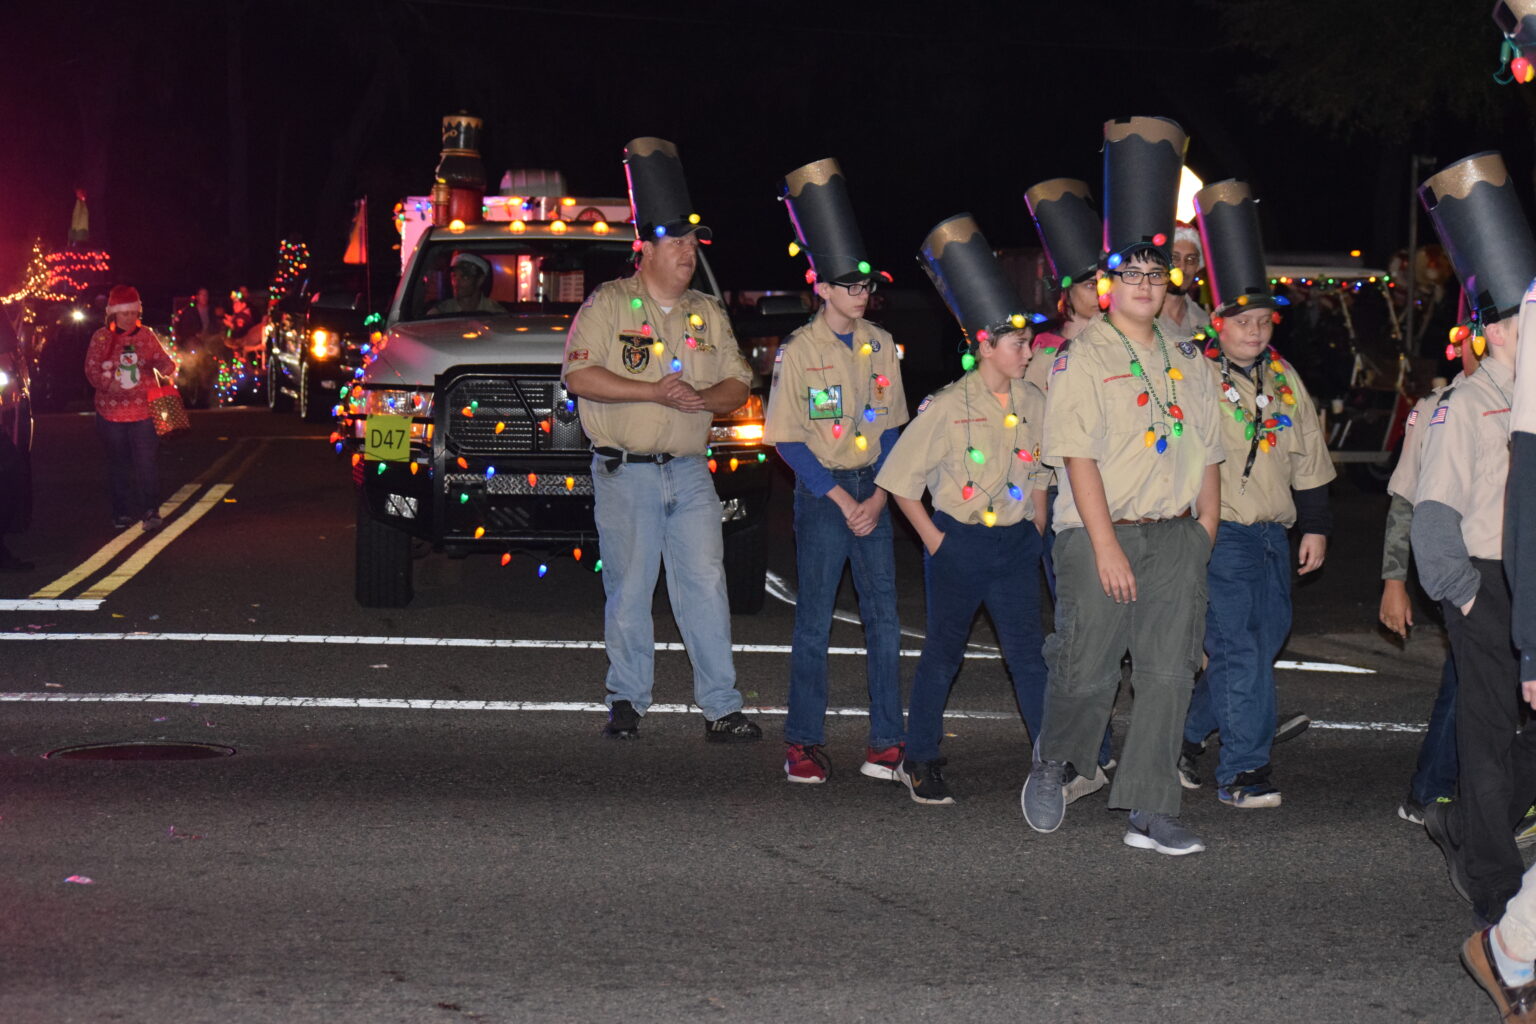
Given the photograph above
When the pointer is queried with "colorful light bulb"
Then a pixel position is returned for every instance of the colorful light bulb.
(976, 455)
(988, 517)
(860, 441)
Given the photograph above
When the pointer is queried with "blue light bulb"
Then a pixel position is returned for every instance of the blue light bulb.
(1115, 260)
(869, 415)
(677, 364)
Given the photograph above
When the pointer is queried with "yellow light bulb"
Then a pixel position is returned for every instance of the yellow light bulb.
(1010, 420)
(1176, 277)
(860, 442)
(865, 349)
(989, 518)
(1479, 345)
(659, 347)
(695, 320)
(794, 248)
(1017, 320)
(1103, 286)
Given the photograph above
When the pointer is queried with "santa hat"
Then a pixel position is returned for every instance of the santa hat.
(122, 298)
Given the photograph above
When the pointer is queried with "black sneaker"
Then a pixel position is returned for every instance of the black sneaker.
(1189, 774)
(925, 781)
(1437, 823)
(123, 522)
(623, 721)
(733, 728)
(1290, 726)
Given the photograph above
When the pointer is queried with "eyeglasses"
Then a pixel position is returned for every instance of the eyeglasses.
(1154, 277)
(862, 288)
(1192, 260)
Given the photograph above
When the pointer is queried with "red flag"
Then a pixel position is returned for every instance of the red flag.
(357, 237)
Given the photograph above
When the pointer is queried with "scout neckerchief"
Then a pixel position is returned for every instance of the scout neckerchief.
(823, 399)
(1259, 433)
(1012, 420)
(1169, 411)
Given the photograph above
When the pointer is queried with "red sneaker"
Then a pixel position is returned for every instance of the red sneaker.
(883, 764)
(804, 762)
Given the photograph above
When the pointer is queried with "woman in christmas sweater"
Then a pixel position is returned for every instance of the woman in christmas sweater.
(120, 364)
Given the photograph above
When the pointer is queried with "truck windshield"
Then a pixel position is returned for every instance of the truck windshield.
(514, 277)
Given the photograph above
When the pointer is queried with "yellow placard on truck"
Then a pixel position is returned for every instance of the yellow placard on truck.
(387, 438)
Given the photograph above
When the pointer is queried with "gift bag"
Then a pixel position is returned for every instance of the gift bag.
(166, 409)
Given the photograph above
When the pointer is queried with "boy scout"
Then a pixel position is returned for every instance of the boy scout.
(975, 447)
(1276, 475)
(652, 361)
(833, 415)
(1131, 418)
(1457, 534)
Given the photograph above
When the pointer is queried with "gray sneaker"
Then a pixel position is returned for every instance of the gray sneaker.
(1043, 799)
(1161, 832)
(1080, 786)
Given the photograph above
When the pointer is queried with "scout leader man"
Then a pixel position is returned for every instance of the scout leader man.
(652, 362)
(975, 447)
(1275, 476)
(833, 415)
(1131, 418)
(1182, 315)
(1458, 532)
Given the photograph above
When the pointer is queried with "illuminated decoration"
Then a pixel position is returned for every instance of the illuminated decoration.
(1176, 277)
(517, 227)
(558, 227)
(600, 227)
(1159, 239)
(1114, 261)
(1017, 320)
(456, 225)
(1514, 66)
(989, 517)
(863, 266)
(695, 321)
(866, 349)
(794, 249)
(860, 441)
(576, 553)
(506, 557)
(479, 532)
(661, 230)
(837, 430)
(1259, 428)
(490, 471)
(543, 570)
(810, 277)
(676, 364)
(734, 463)
(967, 362)
(1011, 420)
(533, 480)
(693, 218)
(968, 491)
(1166, 418)
(636, 302)
(975, 455)
(59, 276)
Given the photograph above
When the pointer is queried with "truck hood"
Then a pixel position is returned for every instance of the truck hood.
(417, 351)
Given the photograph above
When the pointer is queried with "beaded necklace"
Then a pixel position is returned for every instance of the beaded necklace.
(1172, 417)
(1259, 432)
(1012, 420)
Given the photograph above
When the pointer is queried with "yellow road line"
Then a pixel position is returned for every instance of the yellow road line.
(158, 542)
(116, 545)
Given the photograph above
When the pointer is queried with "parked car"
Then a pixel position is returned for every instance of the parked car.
(57, 340)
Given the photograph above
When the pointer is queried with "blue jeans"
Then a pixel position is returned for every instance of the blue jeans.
(1246, 623)
(133, 473)
(823, 543)
(646, 514)
(1435, 774)
(978, 565)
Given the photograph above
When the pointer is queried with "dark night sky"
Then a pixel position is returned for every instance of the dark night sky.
(931, 108)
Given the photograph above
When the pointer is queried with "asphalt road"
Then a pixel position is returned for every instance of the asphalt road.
(442, 835)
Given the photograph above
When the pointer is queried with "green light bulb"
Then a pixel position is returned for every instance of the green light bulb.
(976, 455)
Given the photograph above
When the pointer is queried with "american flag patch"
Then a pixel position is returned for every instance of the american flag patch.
(924, 403)
(1059, 365)
(1441, 411)
(1413, 417)
(577, 355)
(778, 356)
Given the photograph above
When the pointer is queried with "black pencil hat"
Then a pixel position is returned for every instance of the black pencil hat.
(1142, 160)
(658, 192)
(816, 197)
(1069, 227)
(1478, 216)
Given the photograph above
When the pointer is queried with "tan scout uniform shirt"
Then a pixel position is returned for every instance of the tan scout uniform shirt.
(1465, 460)
(1299, 458)
(818, 381)
(1405, 478)
(608, 332)
(1091, 413)
(1195, 319)
(931, 452)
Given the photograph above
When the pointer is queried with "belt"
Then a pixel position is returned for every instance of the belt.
(617, 457)
(1144, 522)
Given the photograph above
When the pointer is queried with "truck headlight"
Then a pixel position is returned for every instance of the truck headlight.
(5, 380)
(394, 401)
(324, 344)
(745, 425)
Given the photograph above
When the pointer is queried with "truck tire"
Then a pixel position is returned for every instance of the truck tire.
(746, 568)
(383, 562)
(312, 404)
(277, 400)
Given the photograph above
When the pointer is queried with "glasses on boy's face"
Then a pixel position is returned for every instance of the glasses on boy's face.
(862, 288)
(1154, 277)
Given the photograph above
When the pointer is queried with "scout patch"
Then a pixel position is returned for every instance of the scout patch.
(778, 356)
(1188, 348)
(637, 351)
(924, 403)
(1441, 411)
(576, 355)
(1059, 365)
(1413, 417)
(825, 403)
(874, 344)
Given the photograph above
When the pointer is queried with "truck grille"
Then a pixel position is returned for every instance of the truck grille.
(555, 484)
(535, 415)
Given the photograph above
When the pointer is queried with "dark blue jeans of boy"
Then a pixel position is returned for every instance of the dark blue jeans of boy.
(823, 545)
(978, 565)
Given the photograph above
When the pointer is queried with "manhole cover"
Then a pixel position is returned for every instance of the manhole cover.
(159, 750)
